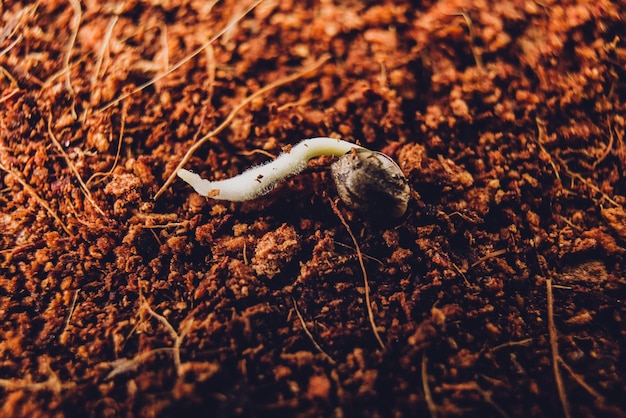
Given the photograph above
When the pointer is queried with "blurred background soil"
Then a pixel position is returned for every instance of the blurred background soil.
(500, 293)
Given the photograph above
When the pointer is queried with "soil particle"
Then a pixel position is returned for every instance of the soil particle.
(274, 250)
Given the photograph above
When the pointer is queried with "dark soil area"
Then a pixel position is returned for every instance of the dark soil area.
(500, 293)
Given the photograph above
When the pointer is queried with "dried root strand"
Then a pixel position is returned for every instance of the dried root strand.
(233, 113)
(368, 303)
(308, 333)
(72, 167)
(188, 58)
(554, 348)
(30, 190)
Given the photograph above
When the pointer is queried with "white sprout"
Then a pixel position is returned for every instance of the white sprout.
(259, 180)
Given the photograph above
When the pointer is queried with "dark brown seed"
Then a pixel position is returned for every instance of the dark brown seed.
(372, 183)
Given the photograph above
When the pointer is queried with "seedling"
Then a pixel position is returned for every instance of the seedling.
(367, 181)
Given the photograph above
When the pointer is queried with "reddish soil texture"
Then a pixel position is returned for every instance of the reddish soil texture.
(500, 293)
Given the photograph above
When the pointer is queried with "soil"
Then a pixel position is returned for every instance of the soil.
(499, 293)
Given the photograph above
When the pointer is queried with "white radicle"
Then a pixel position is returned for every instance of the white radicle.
(259, 180)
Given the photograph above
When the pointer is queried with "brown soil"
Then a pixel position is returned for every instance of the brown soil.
(500, 292)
